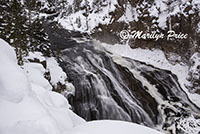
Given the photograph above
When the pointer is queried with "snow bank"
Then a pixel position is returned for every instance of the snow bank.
(112, 127)
(25, 106)
(14, 85)
(35, 73)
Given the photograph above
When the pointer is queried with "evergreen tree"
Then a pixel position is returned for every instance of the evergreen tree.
(13, 28)
(77, 4)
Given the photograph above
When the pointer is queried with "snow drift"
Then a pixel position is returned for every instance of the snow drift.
(26, 107)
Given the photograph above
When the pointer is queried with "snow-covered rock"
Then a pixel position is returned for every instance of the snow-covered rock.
(25, 106)
(56, 72)
(35, 73)
(14, 85)
(46, 72)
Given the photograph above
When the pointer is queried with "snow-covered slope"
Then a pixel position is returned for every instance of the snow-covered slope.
(91, 15)
(86, 15)
(112, 127)
(14, 84)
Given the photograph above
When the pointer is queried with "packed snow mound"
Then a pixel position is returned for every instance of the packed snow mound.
(25, 106)
(35, 73)
(112, 127)
(14, 85)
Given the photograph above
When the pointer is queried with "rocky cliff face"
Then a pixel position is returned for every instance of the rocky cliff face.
(105, 19)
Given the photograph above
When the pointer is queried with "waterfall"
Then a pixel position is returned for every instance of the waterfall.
(113, 87)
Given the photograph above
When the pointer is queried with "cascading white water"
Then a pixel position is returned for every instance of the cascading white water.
(114, 87)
